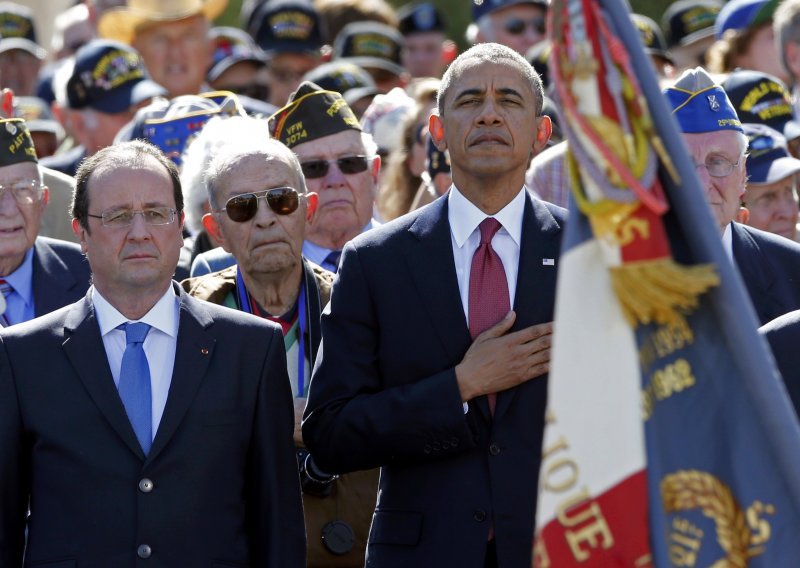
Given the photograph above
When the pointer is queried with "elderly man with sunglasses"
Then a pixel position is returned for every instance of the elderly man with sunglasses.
(340, 164)
(37, 274)
(261, 210)
(518, 24)
(138, 424)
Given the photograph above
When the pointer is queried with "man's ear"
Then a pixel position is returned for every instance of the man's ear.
(214, 230)
(312, 199)
(80, 232)
(436, 130)
(544, 128)
(743, 216)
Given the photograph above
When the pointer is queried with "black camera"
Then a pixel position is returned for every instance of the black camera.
(313, 480)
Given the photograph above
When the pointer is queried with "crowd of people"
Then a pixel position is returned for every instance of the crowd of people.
(266, 289)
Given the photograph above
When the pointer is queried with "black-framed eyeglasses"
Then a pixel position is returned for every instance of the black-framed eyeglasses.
(348, 165)
(718, 166)
(516, 26)
(24, 191)
(116, 218)
(243, 207)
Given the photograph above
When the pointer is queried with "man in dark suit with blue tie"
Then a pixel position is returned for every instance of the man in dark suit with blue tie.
(38, 274)
(425, 370)
(139, 424)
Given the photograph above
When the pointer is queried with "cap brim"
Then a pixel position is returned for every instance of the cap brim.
(126, 96)
(352, 96)
(773, 171)
(24, 44)
(376, 63)
(225, 64)
(122, 23)
(791, 130)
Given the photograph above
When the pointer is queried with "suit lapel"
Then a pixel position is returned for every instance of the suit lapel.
(51, 279)
(535, 293)
(83, 338)
(192, 355)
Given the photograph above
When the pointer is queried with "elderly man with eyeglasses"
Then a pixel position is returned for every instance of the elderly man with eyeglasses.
(37, 274)
(340, 164)
(769, 264)
(518, 24)
(139, 424)
(260, 213)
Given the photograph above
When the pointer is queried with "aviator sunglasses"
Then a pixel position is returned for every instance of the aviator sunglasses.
(282, 201)
(315, 169)
(516, 26)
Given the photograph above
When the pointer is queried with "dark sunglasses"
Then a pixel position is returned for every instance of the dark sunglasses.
(516, 26)
(316, 169)
(282, 200)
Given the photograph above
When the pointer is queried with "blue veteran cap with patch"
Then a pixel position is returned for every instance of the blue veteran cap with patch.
(768, 159)
(700, 105)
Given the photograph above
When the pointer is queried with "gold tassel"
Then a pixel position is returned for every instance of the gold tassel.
(660, 291)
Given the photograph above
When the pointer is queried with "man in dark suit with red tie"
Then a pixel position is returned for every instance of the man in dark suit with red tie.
(436, 342)
(139, 424)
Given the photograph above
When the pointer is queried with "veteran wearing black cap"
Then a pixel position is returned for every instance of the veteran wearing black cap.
(518, 24)
(20, 55)
(375, 47)
(426, 49)
(689, 29)
(654, 45)
(37, 274)
(97, 93)
(769, 264)
(340, 164)
(349, 80)
(771, 195)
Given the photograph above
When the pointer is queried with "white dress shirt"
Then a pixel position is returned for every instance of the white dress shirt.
(159, 345)
(727, 242)
(464, 218)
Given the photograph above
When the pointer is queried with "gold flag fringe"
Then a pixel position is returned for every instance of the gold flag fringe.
(660, 291)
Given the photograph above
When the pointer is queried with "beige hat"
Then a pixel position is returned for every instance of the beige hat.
(122, 23)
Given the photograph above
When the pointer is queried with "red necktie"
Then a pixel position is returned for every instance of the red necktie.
(488, 288)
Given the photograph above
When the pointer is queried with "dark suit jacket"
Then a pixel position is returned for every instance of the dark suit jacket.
(61, 274)
(770, 267)
(384, 393)
(783, 334)
(224, 487)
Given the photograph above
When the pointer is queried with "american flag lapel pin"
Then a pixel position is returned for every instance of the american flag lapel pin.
(548, 262)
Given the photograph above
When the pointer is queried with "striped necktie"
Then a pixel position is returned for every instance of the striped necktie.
(6, 289)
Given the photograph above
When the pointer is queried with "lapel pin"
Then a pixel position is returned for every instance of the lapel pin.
(548, 262)
(204, 351)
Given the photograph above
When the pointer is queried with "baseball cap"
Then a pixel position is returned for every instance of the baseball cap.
(762, 98)
(742, 14)
(688, 21)
(110, 77)
(370, 45)
(482, 7)
(768, 159)
(17, 30)
(651, 36)
(287, 26)
(700, 105)
(37, 115)
(348, 79)
(231, 46)
(417, 18)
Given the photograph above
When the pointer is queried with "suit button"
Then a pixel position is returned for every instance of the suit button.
(427, 449)
(145, 485)
(479, 515)
(144, 551)
(454, 442)
(494, 449)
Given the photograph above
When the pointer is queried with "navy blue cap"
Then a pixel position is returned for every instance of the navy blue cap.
(348, 79)
(768, 159)
(17, 30)
(700, 105)
(651, 36)
(762, 98)
(482, 7)
(742, 14)
(287, 26)
(688, 21)
(231, 46)
(371, 45)
(416, 18)
(110, 77)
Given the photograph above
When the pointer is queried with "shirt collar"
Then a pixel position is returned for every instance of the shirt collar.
(465, 217)
(727, 240)
(21, 280)
(163, 315)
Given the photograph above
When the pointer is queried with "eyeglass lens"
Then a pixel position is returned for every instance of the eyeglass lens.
(315, 169)
(282, 201)
(516, 26)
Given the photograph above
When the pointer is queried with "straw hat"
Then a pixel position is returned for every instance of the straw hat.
(122, 23)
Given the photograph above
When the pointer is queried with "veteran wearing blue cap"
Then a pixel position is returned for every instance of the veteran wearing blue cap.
(518, 24)
(769, 264)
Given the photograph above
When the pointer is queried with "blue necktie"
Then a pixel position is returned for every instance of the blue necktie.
(5, 289)
(331, 261)
(134, 384)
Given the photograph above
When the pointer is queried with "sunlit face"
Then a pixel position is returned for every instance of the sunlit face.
(139, 259)
(773, 206)
(489, 124)
(762, 54)
(345, 200)
(723, 194)
(19, 223)
(519, 27)
(422, 54)
(285, 73)
(100, 128)
(268, 242)
(177, 54)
